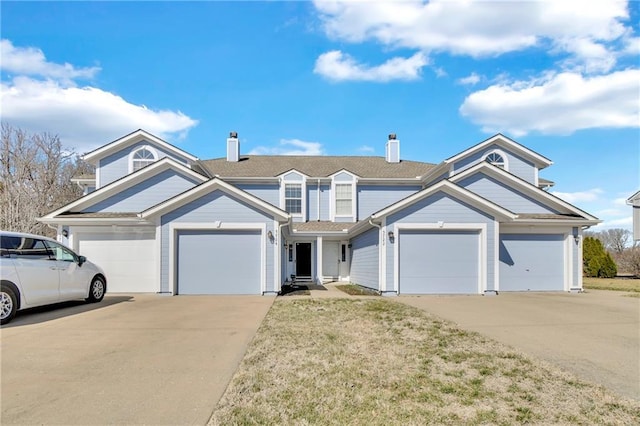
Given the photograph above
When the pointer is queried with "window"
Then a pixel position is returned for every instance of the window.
(495, 159)
(293, 198)
(344, 199)
(61, 253)
(32, 249)
(142, 158)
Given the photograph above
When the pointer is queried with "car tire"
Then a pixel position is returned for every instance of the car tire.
(97, 288)
(8, 304)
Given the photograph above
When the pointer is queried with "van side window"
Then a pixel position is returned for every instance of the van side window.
(33, 249)
(8, 245)
(61, 253)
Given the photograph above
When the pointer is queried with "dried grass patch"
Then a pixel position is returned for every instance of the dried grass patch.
(614, 284)
(375, 362)
(356, 290)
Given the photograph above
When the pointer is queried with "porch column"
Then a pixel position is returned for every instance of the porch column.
(319, 260)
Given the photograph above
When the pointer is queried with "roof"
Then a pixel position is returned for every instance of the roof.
(84, 177)
(634, 200)
(548, 216)
(315, 166)
(111, 215)
(321, 226)
(545, 182)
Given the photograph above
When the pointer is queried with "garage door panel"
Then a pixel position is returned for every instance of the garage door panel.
(128, 259)
(433, 262)
(532, 262)
(219, 262)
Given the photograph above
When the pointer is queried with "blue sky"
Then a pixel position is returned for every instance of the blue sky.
(335, 78)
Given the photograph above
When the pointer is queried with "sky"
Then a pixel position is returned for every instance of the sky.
(336, 77)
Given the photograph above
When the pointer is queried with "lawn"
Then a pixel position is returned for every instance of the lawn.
(616, 284)
(376, 362)
(356, 290)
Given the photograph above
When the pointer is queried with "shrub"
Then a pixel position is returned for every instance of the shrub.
(596, 261)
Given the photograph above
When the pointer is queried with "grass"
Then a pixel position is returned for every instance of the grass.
(615, 284)
(377, 362)
(356, 290)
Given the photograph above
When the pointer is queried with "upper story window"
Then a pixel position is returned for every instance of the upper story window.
(497, 159)
(142, 157)
(344, 199)
(293, 198)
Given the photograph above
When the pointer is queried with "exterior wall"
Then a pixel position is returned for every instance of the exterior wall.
(503, 195)
(215, 206)
(636, 223)
(146, 194)
(372, 198)
(442, 207)
(312, 201)
(116, 165)
(365, 259)
(516, 165)
(269, 192)
(576, 254)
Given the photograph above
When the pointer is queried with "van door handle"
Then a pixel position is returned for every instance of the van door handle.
(53, 268)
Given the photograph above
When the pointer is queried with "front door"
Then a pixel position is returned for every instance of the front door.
(303, 259)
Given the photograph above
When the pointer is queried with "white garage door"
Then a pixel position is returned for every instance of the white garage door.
(219, 262)
(439, 262)
(128, 259)
(531, 262)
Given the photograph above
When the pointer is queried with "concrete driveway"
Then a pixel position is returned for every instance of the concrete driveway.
(142, 359)
(594, 335)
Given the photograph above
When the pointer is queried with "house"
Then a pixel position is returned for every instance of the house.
(634, 202)
(161, 220)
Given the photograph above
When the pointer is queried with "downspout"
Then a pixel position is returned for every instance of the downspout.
(318, 200)
(377, 226)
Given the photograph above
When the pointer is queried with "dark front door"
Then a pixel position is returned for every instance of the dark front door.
(303, 259)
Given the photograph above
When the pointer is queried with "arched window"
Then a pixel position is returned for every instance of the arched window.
(142, 158)
(496, 159)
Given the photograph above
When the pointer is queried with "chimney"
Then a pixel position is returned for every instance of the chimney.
(233, 147)
(393, 149)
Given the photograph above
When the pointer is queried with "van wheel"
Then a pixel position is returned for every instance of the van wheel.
(8, 304)
(96, 290)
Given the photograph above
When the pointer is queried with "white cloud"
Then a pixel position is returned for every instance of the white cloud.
(290, 147)
(31, 61)
(338, 66)
(366, 149)
(477, 28)
(469, 80)
(557, 104)
(45, 98)
(580, 196)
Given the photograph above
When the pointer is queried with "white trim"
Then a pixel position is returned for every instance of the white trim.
(509, 145)
(501, 153)
(303, 188)
(568, 260)
(276, 256)
(98, 186)
(214, 184)
(481, 228)
(130, 139)
(332, 199)
(319, 254)
(174, 228)
(455, 191)
(526, 187)
(159, 253)
(382, 256)
(125, 182)
(149, 148)
(496, 254)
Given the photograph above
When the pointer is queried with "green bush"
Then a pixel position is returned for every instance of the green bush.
(597, 262)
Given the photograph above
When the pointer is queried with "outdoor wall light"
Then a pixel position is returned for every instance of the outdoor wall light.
(576, 238)
(65, 233)
(391, 235)
(270, 235)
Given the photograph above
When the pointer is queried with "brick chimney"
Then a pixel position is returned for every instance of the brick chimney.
(393, 149)
(233, 147)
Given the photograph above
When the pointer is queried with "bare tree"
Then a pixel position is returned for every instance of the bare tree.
(614, 240)
(35, 172)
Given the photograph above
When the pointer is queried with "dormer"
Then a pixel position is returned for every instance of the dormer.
(501, 152)
(293, 194)
(343, 197)
(131, 153)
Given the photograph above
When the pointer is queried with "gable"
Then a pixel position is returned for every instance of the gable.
(513, 163)
(503, 194)
(437, 207)
(145, 194)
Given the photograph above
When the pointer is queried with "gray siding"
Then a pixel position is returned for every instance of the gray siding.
(365, 260)
(146, 194)
(206, 210)
(312, 201)
(373, 198)
(116, 165)
(503, 195)
(442, 207)
(531, 262)
(269, 192)
(516, 165)
(577, 259)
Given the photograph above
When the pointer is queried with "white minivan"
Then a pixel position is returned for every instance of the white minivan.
(36, 271)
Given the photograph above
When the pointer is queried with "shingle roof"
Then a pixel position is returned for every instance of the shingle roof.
(99, 215)
(87, 176)
(548, 216)
(322, 226)
(315, 166)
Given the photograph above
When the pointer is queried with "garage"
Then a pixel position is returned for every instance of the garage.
(439, 262)
(127, 257)
(219, 261)
(532, 262)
